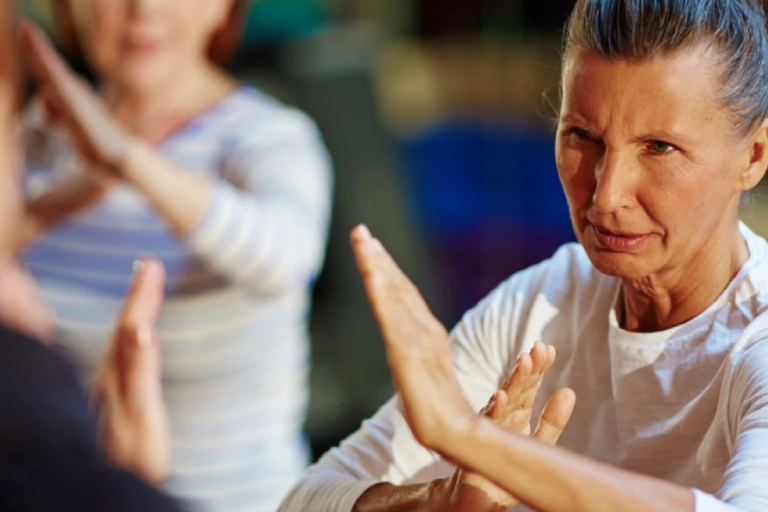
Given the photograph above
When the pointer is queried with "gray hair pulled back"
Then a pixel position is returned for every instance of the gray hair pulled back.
(735, 30)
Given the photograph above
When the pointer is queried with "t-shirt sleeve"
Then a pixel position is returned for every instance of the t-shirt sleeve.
(745, 482)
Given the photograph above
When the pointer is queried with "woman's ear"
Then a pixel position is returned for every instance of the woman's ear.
(758, 158)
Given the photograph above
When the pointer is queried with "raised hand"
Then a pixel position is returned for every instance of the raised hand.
(134, 430)
(433, 403)
(512, 407)
(75, 105)
(416, 344)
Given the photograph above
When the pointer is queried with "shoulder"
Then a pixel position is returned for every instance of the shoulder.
(749, 302)
(254, 117)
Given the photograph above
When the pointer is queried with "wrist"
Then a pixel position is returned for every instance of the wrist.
(442, 493)
(137, 159)
(461, 493)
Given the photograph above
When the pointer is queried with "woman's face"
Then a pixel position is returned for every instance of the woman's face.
(650, 162)
(142, 43)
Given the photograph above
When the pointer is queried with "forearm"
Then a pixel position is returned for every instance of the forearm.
(551, 479)
(442, 495)
(404, 498)
(180, 197)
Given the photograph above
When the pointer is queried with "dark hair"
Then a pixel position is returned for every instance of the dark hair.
(736, 30)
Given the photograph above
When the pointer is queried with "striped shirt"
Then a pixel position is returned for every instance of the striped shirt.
(233, 330)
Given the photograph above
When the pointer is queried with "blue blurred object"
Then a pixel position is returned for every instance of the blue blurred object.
(487, 198)
(464, 172)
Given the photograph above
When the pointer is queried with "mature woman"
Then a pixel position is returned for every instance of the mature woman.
(659, 315)
(230, 190)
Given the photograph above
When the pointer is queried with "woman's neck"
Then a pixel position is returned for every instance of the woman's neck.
(153, 112)
(663, 301)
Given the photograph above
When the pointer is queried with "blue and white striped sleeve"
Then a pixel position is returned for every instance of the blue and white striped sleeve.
(267, 222)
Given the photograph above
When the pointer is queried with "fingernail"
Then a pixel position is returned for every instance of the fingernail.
(363, 229)
(137, 266)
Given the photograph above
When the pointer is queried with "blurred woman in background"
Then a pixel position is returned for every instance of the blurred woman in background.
(230, 190)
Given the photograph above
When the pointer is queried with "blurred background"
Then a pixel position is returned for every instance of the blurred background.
(439, 118)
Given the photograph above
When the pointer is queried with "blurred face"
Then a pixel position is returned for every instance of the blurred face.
(139, 44)
(649, 161)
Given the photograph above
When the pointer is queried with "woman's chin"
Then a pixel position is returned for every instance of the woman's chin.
(143, 77)
(621, 265)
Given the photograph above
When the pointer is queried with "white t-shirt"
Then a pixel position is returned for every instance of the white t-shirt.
(688, 405)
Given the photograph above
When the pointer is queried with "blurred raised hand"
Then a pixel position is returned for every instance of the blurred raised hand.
(74, 105)
(134, 429)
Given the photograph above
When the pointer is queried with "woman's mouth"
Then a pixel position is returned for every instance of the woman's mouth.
(619, 241)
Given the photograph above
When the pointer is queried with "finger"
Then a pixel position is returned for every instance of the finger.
(499, 408)
(387, 264)
(51, 105)
(43, 59)
(372, 256)
(551, 356)
(145, 296)
(391, 294)
(520, 375)
(362, 248)
(138, 357)
(539, 358)
(555, 416)
(68, 94)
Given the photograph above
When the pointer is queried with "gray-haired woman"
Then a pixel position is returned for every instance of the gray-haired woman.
(659, 315)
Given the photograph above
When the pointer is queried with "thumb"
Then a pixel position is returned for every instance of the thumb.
(138, 355)
(145, 296)
(555, 416)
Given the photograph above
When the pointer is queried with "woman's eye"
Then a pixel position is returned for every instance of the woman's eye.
(658, 146)
(582, 134)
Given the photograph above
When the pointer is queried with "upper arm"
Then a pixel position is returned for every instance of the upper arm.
(284, 162)
(267, 220)
(744, 482)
